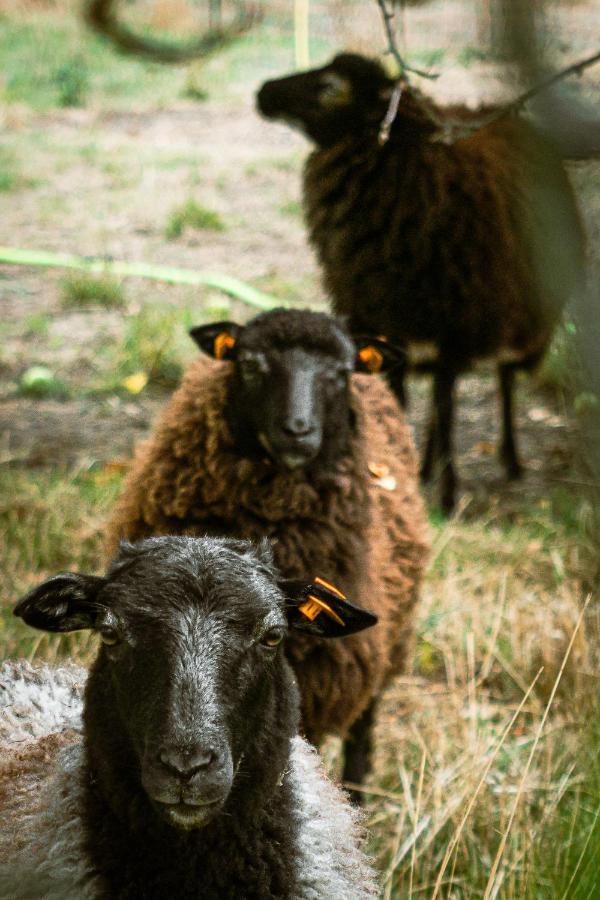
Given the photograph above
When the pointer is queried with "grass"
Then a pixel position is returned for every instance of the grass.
(52, 60)
(49, 521)
(41, 383)
(192, 215)
(451, 773)
(500, 608)
(81, 290)
(154, 347)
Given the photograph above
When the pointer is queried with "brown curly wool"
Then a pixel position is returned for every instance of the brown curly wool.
(368, 541)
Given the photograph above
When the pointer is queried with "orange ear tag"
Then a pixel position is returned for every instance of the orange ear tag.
(223, 343)
(314, 606)
(371, 358)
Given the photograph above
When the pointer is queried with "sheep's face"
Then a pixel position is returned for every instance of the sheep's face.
(190, 669)
(290, 391)
(329, 103)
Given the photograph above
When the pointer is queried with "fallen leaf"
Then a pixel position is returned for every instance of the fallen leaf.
(484, 448)
(135, 383)
(378, 470)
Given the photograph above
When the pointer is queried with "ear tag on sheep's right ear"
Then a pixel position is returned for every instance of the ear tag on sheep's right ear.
(321, 609)
(223, 344)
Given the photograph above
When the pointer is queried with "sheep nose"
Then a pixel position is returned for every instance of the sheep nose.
(187, 763)
(297, 428)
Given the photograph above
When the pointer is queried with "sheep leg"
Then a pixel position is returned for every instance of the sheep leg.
(443, 416)
(430, 448)
(397, 382)
(357, 751)
(508, 450)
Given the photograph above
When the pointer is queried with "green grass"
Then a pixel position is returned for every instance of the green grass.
(11, 175)
(40, 383)
(49, 522)
(192, 215)
(292, 208)
(52, 60)
(155, 344)
(81, 290)
(37, 325)
(72, 82)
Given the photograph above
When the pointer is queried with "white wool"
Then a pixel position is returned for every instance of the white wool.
(331, 864)
(52, 864)
(39, 700)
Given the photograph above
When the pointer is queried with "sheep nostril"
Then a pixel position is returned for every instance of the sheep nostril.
(297, 428)
(185, 764)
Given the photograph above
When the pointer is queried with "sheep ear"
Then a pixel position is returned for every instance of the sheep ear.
(319, 608)
(218, 339)
(66, 602)
(376, 354)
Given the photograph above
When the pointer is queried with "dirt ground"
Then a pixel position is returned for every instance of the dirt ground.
(103, 182)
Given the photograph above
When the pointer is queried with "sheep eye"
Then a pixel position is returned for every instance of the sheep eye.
(272, 638)
(253, 366)
(334, 90)
(109, 637)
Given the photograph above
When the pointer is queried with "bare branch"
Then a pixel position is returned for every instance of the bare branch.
(100, 14)
(389, 16)
(517, 104)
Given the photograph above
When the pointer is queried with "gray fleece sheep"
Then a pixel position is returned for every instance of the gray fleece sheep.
(182, 775)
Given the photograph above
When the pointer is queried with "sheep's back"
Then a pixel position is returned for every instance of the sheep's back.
(457, 244)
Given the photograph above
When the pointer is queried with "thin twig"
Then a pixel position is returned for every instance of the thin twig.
(520, 101)
(388, 21)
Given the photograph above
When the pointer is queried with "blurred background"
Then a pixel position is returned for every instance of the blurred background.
(110, 156)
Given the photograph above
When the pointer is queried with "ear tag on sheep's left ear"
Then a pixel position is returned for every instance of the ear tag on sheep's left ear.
(321, 609)
(315, 605)
(224, 342)
(370, 359)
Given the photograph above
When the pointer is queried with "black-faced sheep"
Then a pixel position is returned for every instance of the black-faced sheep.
(453, 249)
(280, 440)
(189, 779)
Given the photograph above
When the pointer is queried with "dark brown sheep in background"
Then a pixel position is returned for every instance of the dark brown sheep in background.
(280, 440)
(454, 249)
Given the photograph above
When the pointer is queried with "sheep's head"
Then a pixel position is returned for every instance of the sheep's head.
(289, 395)
(191, 670)
(331, 102)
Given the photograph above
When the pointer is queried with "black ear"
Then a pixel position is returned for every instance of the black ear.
(218, 339)
(376, 354)
(319, 608)
(66, 602)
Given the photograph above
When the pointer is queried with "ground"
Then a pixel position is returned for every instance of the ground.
(508, 574)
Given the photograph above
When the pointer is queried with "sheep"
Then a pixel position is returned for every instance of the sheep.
(455, 250)
(273, 440)
(185, 775)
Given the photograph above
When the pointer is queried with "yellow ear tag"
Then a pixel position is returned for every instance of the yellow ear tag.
(223, 343)
(314, 606)
(371, 358)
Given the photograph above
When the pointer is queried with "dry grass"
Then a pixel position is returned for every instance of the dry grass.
(480, 749)
(479, 752)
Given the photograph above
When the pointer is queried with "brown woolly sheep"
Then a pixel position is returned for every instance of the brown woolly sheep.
(454, 249)
(274, 441)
